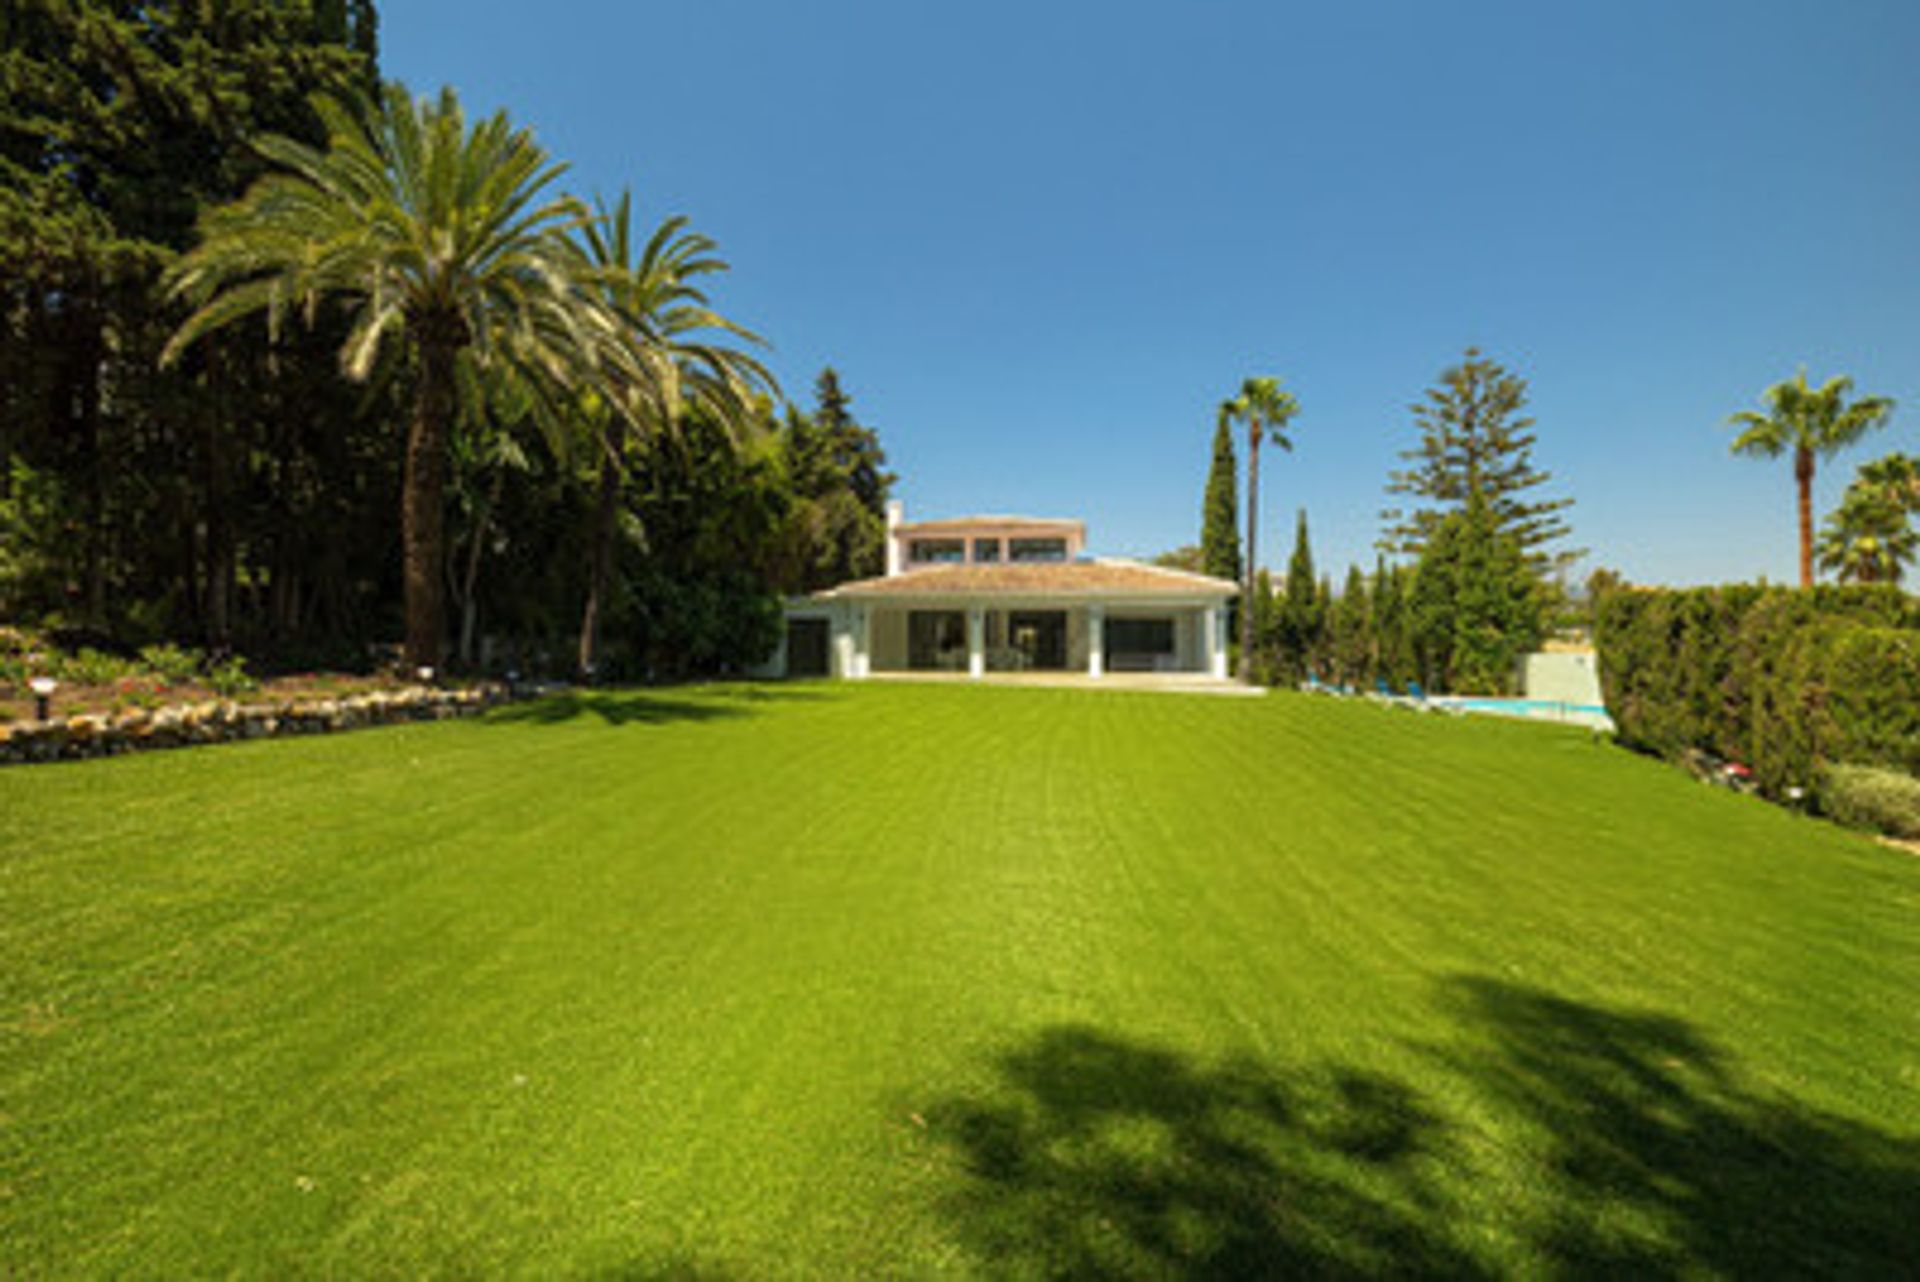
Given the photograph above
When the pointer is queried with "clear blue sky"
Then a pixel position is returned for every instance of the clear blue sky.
(1041, 241)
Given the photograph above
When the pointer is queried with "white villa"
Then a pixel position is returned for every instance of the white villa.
(1006, 594)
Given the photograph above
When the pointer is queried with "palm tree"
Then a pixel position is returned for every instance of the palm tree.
(1812, 423)
(437, 235)
(1870, 537)
(1266, 410)
(667, 361)
(1898, 474)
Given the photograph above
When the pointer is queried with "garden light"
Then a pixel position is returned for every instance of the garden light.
(425, 674)
(43, 688)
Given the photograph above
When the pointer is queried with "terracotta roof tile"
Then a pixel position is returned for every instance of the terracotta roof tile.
(1063, 578)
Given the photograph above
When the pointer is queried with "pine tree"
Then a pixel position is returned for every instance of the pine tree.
(1476, 440)
(836, 530)
(1220, 513)
(1477, 605)
(855, 450)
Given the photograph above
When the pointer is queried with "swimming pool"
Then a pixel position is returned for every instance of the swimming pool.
(1584, 714)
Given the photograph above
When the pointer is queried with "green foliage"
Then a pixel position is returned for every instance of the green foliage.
(1809, 424)
(38, 525)
(1870, 537)
(1784, 681)
(503, 285)
(1476, 440)
(1189, 558)
(230, 677)
(1477, 604)
(152, 495)
(170, 663)
(1298, 633)
(717, 624)
(1870, 797)
(836, 526)
(1353, 643)
(1392, 622)
(90, 667)
(1266, 410)
(1220, 509)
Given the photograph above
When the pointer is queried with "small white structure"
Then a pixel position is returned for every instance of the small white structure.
(990, 594)
(1571, 677)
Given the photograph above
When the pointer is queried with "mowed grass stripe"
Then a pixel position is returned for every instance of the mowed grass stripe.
(831, 980)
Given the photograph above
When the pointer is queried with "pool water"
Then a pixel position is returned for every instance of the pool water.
(1542, 709)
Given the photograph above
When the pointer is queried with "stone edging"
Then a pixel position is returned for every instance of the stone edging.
(224, 721)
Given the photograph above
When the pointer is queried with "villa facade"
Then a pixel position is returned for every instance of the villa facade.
(982, 595)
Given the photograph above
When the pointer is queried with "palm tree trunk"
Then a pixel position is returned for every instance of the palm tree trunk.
(1803, 478)
(422, 504)
(1247, 607)
(600, 572)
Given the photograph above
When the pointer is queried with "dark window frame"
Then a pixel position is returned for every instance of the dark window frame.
(1036, 550)
(936, 551)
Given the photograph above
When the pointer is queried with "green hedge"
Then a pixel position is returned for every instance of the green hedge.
(1786, 681)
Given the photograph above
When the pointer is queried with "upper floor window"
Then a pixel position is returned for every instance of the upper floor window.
(1037, 550)
(936, 551)
(986, 550)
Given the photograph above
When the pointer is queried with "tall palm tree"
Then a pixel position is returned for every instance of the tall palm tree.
(1266, 410)
(1813, 423)
(438, 236)
(668, 359)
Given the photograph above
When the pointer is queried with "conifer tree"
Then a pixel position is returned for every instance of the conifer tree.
(1220, 514)
(1353, 640)
(1476, 439)
(1477, 605)
(1301, 615)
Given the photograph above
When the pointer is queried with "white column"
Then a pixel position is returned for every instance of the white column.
(862, 641)
(976, 641)
(1216, 630)
(1096, 640)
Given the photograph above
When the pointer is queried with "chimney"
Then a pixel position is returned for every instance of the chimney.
(896, 513)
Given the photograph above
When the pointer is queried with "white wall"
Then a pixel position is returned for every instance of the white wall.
(1564, 678)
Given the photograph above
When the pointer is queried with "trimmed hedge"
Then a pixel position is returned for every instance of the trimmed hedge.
(1787, 681)
(1885, 801)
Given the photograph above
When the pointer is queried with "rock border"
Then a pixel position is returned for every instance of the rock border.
(226, 721)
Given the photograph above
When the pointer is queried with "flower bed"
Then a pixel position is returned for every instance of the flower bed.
(270, 713)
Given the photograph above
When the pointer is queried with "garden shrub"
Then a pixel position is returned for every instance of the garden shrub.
(1886, 801)
(171, 664)
(1784, 681)
(230, 678)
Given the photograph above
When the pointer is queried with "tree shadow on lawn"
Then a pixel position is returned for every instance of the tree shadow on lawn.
(645, 706)
(1099, 1156)
(1662, 1161)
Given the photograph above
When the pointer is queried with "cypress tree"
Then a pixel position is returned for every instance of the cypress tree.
(1220, 512)
(1389, 621)
(1260, 665)
(1300, 612)
(1353, 629)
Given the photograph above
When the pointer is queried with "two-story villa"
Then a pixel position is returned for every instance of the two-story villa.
(992, 594)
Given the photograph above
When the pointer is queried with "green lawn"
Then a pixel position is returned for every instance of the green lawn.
(913, 980)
